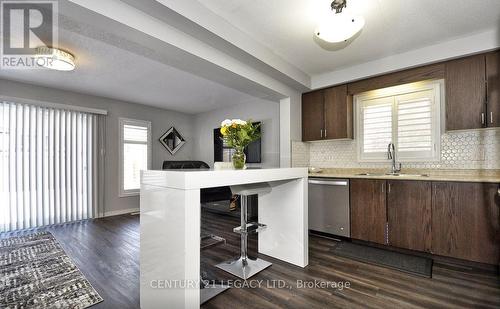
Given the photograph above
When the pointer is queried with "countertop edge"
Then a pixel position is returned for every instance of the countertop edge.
(464, 178)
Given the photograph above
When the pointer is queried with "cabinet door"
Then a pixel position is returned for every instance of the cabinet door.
(409, 214)
(465, 93)
(465, 221)
(493, 76)
(368, 210)
(338, 113)
(312, 116)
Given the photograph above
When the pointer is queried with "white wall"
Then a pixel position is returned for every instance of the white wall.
(268, 112)
(161, 120)
(290, 126)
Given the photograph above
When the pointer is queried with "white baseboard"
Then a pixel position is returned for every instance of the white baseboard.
(120, 212)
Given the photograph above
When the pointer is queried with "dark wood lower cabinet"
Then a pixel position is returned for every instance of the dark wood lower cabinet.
(454, 219)
(368, 210)
(409, 214)
(465, 221)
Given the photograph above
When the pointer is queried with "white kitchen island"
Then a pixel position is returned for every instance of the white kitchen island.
(170, 227)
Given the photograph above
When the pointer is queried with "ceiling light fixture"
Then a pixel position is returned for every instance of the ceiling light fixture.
(55, 59)
(340, 25)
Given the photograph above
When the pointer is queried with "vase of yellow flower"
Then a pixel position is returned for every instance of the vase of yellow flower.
(237, 134)
(239, 159)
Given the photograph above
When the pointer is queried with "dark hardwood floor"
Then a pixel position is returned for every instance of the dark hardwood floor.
(107, 252)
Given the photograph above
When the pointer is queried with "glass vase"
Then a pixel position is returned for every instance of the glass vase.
(239, 159)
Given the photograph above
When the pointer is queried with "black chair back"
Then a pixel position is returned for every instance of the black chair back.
(178, 165)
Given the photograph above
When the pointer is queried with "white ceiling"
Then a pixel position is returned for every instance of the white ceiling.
(125, 63)
(392, 27)
(106, 70)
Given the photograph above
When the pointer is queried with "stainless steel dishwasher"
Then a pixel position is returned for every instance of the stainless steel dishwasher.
(329, 206)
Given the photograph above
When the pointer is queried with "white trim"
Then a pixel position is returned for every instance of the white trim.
(120, 212)
(134, 122)
(436, 86)
(54, 105)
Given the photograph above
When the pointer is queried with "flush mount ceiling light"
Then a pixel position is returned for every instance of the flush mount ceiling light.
(340, 24)
(55, 59)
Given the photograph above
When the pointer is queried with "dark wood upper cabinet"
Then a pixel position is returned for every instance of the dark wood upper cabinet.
(493, 87)
(368, 210)
(409, 214)
(312, 116)
(338, 113)
(466, 93)
(465, 221)
(327, 114)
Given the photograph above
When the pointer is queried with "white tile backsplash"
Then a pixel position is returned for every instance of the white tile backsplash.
(300, 154)
(475, 149)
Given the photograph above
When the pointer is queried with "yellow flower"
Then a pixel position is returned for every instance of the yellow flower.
(234, 125)
(223, 130)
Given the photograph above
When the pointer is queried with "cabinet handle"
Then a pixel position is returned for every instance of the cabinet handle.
(321, 133)
(389, 188)
(383, 187)
(482, 118)
(491, 117)
(325, 133)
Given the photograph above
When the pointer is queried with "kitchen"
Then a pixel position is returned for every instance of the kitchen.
(437, 195)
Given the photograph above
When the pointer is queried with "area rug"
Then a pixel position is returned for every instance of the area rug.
(35, 272)
(411, 264)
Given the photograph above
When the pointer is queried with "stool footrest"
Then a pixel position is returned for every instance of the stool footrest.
(211, 240)
(252, 227)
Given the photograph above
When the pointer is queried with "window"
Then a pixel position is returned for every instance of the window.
(406, 115)
(135, 153)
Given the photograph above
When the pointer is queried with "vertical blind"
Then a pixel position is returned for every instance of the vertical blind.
(49, 160)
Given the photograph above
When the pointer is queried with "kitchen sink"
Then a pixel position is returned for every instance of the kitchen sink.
(407, 175)
(393, 174)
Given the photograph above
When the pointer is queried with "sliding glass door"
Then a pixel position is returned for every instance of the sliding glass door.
(48, 160)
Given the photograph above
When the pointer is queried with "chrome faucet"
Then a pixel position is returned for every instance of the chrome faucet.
(391, 155)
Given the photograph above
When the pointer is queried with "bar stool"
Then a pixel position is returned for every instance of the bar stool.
(244, 267)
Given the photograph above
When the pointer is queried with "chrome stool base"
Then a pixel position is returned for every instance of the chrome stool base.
(244, 268)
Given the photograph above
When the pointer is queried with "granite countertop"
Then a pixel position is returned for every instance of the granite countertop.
(492, 176)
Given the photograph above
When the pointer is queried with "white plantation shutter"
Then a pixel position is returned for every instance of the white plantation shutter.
(135, 153)
(407, 117)
(415, 125)
(48, 162)
(376, 118)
